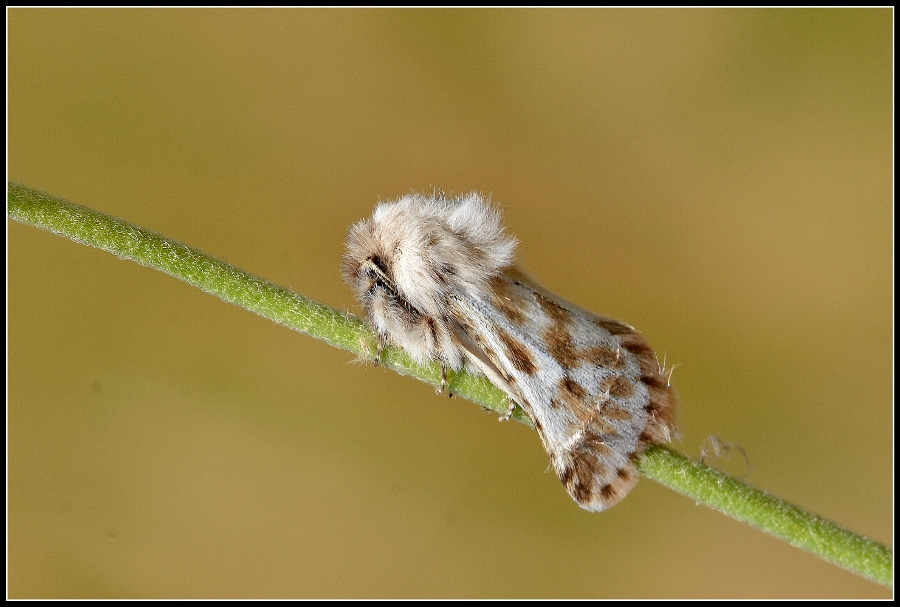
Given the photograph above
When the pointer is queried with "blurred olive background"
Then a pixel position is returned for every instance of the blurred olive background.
(721, 179)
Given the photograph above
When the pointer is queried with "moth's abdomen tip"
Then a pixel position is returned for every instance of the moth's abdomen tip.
(593, 483)
(604, 498)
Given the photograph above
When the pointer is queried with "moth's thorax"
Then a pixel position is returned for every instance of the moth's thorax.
(408, 259)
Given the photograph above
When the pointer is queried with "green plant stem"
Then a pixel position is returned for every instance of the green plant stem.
(743, 502)
(670, 468)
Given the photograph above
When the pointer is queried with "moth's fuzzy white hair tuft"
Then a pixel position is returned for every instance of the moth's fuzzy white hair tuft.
(425, 248)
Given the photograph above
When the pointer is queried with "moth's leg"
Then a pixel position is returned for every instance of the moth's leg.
(380, 351)
(443, 378)
(509, 412)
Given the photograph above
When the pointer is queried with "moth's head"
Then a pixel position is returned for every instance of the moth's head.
(414, 252)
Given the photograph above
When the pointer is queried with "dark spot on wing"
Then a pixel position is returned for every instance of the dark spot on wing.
(637, 345)
(614, 326)
(573, 397)
(572, 388)
(615, 413)
(507, 302)
(604, 356)
(560, 346)
(519, 355)
(618, 387)
(556, 312)
(581, 485)
(557, 335)
(600, 428)
(608, 493)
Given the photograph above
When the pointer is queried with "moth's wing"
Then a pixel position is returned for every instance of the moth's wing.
(591, 384)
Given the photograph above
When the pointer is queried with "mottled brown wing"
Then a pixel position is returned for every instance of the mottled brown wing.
(592, 385)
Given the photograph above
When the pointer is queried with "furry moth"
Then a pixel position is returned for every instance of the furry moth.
(435, 276)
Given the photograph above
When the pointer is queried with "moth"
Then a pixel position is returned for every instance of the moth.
(436, 277)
